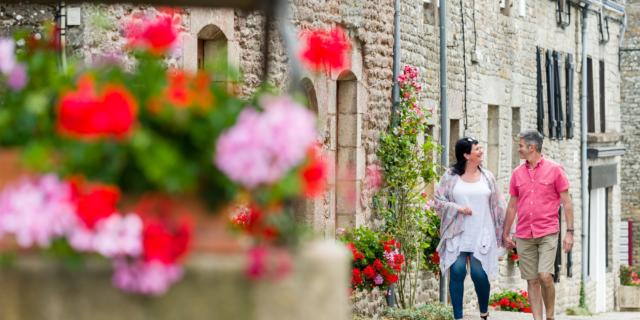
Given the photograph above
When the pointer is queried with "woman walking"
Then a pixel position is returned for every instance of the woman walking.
(472, 211)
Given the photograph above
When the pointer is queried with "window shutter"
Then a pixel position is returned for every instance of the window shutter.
(550, 96)
(569, 87)
(558, 96)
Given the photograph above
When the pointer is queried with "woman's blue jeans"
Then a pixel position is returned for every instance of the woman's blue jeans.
(458, 272)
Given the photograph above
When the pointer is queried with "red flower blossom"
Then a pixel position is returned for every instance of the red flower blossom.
(89, 114)
(356, 278)
(314, 174)
(435, 258)
(165, 237)
(504, 302)
(94, 203)
(165, 241)
(390, 245)
(325, 48)
(398, 260)
(391, 278)
(157, 34)
(526, 309)
(378, 265)
(369, 272)
(513, 305)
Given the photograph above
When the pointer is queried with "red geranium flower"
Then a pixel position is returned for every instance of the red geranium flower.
(504, 302)
(94, 203)
(87, 113)
(325, 48)
(369, 272)
(526, 309)
(378, 265)
(157, 34)
(314, 174)
(166, 235)
(356, 278)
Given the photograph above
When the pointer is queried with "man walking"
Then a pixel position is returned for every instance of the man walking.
(537, 187)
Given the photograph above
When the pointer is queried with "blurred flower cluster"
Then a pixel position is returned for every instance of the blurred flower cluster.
(510, 300)
(39, 211)
(148, 133)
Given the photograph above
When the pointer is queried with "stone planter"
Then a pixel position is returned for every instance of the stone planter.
(629, 297)
(214, 287)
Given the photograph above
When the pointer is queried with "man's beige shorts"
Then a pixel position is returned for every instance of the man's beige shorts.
(537, 255)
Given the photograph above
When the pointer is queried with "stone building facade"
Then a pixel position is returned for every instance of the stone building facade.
(493, 94)
(630, 92)
(491, 52)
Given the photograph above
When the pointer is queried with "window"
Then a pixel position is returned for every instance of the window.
(591, 120)
(515, 132)
(505, 7)
(430, 16)
(493, 137)
(603, 111)
(212, 46)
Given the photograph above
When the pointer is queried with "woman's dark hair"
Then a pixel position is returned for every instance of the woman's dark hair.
(463, 146)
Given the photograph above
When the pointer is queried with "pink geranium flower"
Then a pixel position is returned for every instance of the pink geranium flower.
(263, 146)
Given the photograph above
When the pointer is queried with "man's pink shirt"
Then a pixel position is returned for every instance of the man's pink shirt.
(538, 191)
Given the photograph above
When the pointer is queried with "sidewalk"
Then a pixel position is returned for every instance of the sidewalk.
(502, 315)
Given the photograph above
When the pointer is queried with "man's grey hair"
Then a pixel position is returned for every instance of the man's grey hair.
(532, 137)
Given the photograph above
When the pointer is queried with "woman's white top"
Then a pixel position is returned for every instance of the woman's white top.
(478, 236)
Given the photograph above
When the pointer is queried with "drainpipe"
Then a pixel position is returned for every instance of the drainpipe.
(395, 91)
(444, 114)
(390, 295)
(583, 149)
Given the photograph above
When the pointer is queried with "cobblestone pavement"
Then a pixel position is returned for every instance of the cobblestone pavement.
(498, 315)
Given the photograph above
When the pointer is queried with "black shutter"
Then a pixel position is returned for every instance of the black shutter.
(569, 86)
(539, 92)
(557, 96)
(591, 113)
(603, 111)
(550, 96)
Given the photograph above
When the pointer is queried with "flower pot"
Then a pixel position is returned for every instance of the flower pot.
(629, 297)
(214, 287)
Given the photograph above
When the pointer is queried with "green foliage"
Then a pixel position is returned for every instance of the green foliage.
(421, 312)
(582, 302)
(406, 156)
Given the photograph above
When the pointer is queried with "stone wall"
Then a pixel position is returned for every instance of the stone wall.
(630, 92)
(15, 16)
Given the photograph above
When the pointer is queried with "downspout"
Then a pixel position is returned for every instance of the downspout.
(583, 149)
(395, 91)
(395, 96)
(444, 114)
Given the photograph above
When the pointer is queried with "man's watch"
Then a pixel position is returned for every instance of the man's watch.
(570, 230)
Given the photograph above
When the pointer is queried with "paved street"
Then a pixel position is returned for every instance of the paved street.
(498, 315)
